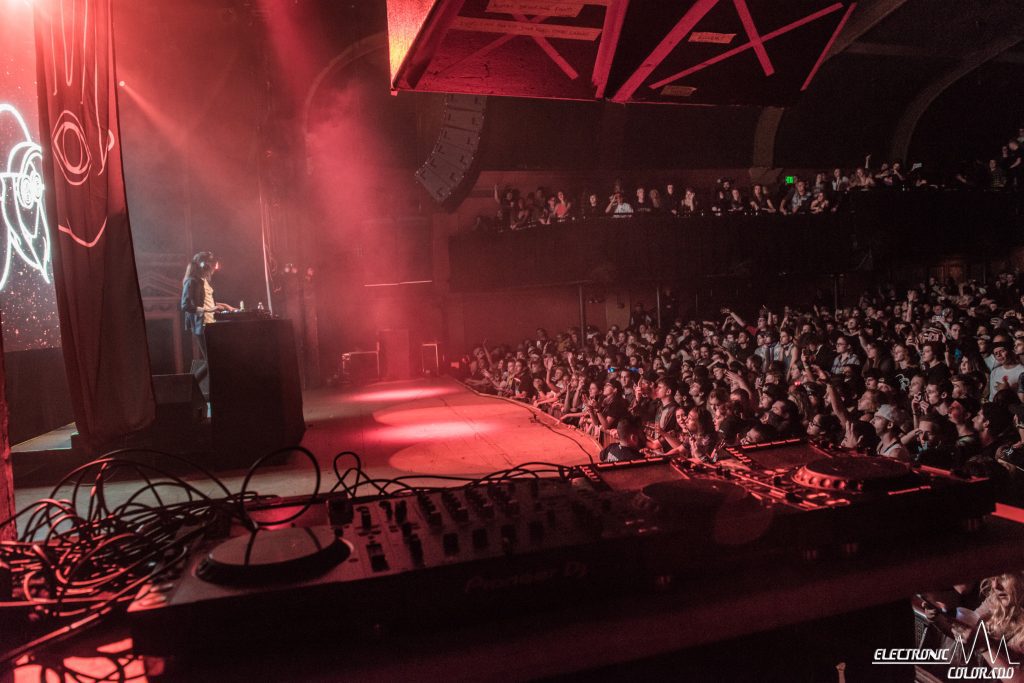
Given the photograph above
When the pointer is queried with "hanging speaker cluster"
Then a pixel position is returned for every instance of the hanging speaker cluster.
(451, 168)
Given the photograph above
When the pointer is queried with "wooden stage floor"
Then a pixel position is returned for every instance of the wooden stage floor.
(418, 427)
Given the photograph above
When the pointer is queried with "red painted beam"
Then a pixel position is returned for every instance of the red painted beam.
(755, 38)
(746, 46)
(486, 49)
(828, 46)
(690, 19)
(427, 43)
(551, 52)
(614, 17)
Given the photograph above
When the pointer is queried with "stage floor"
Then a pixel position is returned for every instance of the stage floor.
(422, 427)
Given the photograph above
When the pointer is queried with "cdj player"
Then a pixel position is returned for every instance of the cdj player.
(359, 567)
(242, 315)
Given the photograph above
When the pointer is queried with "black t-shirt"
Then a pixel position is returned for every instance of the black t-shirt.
(938, 373)
(903, 377)
(665, 416)
(731, 428)
(1010, 160)
(647, 409)
(616, 409)
(619, 453)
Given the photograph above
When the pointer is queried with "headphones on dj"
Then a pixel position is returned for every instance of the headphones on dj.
(205, 262)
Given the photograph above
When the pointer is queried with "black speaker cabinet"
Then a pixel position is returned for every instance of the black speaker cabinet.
(395, 354)
(255, 394)
(360, 367)
(202, 375)
(180, 408)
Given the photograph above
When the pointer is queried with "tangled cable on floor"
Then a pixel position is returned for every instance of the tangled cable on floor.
(81, 559)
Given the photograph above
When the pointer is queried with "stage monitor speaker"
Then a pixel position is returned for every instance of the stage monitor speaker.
(395, 354)
(180, 405)
(430, 359)
(360, 367)
(255, 393)
(202, 374)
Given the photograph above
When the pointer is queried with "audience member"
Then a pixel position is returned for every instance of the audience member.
(875, 378)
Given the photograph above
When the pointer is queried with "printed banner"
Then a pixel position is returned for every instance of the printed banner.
(102, 323)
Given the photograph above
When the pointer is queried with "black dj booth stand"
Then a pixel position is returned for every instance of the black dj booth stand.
(255, 390)
(788, 620)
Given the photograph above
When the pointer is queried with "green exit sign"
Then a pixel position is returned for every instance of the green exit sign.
(790, 179)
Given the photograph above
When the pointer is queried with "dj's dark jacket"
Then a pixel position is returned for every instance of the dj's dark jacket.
(192, 296)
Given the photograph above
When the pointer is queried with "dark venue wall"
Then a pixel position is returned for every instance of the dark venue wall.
(849, 114)
(252, 118)
(194, 105)
(947, 136)
(248, 122)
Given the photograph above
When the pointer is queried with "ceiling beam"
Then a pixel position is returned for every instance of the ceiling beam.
(908, 121)
(869, 16)
(614, 18)
(922, 53)
(862, 21)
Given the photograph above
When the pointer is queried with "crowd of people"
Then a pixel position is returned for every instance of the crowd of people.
(517, 210)
(1005, 171)
(825, 193)
(930, 374)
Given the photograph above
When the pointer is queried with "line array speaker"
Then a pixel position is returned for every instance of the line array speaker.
(450, 169)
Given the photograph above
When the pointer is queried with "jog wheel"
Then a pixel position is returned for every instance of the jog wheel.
(283, 555)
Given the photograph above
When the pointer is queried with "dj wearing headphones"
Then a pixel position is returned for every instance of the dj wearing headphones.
(197, 296)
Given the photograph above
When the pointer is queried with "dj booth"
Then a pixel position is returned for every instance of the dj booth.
(787, 564)
(255, 391)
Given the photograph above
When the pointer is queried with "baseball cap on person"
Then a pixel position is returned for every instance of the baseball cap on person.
(886, 412)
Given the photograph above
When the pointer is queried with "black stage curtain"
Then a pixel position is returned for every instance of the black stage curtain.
(101, 316)
(7, 531)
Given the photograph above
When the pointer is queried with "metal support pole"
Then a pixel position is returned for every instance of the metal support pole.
(583, 313)
(657, 303)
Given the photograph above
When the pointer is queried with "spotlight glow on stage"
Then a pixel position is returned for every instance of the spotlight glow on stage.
(400, 395)
(433, 431)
